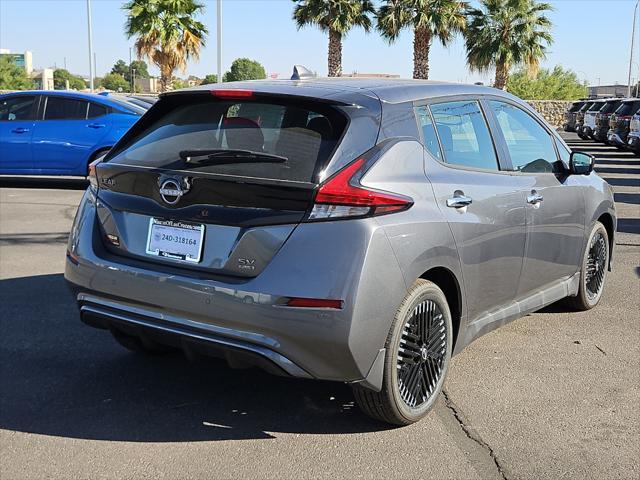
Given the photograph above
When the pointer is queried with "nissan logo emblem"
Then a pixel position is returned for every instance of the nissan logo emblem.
(171, 191)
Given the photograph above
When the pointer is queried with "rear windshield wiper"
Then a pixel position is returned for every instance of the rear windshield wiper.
(222, 156)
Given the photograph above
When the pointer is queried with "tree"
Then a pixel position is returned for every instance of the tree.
(556, 84)
(115, 82)
(505, 34)
(62, 80)
(140, 67)
(211, 78)
(336, 17)
(166, 32)
(121, 68)
(429, 19)
(13, 77)
(179, 83)
(245, 69)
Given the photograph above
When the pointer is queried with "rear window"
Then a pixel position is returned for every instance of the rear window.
(596, 107)
(273, 139)
(575, 107)
(628, 108)
(610, 107)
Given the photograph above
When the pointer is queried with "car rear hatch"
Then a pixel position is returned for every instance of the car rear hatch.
(216, 181)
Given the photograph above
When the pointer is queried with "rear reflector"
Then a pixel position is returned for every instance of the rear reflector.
(232, 93)
(313, 303)
(343, 196)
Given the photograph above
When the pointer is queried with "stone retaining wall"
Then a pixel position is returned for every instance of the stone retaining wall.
(551, 110)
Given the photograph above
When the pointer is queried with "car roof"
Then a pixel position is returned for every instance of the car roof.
(387, 90)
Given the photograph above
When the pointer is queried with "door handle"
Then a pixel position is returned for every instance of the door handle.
(20, 130)
(96, 125)
(459, 200)
(534, 198)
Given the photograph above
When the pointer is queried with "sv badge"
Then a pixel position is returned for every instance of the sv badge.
(246, 263)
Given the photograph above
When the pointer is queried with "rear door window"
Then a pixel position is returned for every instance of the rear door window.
(464, 135)
(60, 108)
(96, 110)
(429, 137)
(278, 139)
(17, 108)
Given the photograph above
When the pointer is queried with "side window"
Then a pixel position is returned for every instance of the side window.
(530, 145)
(428, 132)
(17, 108)
(96, 110)
(59, 108)
(464, 135)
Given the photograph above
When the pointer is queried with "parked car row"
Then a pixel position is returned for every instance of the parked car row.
(62, 132)
(613, 121)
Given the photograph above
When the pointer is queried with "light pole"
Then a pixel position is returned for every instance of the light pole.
(219, 17)
(633, 37)
(91, 72)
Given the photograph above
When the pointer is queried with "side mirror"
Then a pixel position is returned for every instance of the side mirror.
(581, 163)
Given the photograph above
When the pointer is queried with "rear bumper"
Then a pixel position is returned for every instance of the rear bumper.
(600, 134)
(351, 261)
(180, 333)
(616, 139)
(633, 142)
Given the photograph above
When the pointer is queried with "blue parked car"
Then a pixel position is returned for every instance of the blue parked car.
(59, 132)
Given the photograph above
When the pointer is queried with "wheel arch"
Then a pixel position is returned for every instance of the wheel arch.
(447, 281)
(607, 220)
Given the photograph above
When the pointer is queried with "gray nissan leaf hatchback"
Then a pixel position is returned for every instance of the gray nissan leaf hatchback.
(360, 231)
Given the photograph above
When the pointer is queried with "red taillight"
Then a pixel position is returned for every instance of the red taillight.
(314, 303)
(232, 93)
(623, 117)
(342, 196)
(93, 179)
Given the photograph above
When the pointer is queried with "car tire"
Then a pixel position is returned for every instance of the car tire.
(139, 345)
(414, 366)
(593, 270)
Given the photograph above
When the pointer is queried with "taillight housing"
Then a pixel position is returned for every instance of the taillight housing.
(342, 196)
(93, 178)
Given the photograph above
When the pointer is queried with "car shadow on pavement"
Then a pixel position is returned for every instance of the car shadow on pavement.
(628, 225)
(623, 182)
(631, 198)
(62, 378)
(64, 183)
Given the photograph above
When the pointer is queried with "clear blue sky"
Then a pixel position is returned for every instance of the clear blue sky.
(592, 37)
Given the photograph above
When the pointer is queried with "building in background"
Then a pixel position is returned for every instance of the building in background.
(43, 79)
(147, 85)
(606, 91)
(23, 60)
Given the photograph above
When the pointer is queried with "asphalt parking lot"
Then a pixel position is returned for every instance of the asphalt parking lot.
(553, 395)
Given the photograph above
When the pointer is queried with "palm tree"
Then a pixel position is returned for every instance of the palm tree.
(430, 19)
(166, 32)
(336, 17)
(507, 33)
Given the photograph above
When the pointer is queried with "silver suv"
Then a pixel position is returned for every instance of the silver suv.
(361, 231)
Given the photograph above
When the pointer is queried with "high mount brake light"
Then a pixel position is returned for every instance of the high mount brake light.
(232, 93)
(342, 196)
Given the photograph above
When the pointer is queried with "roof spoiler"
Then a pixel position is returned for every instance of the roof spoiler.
(300, 72)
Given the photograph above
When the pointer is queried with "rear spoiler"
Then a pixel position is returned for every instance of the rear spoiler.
(245, 94)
